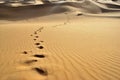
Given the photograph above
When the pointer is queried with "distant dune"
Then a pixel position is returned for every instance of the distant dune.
(87, 7)
(24, 12)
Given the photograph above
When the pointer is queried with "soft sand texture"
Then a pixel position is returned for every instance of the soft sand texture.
(75, 48)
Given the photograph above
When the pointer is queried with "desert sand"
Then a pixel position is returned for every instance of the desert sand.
(54, 43)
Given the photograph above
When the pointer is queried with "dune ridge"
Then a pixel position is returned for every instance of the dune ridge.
(87, 7)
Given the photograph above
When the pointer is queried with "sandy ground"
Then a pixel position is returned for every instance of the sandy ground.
(60, 47)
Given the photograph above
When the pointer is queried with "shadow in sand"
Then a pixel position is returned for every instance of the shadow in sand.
(41, 71)
(39, 55)
(87, 7)
(30, 61)
(27, 12)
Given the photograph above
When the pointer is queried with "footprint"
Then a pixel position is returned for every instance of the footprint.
(40, 47)
(37, 43)
(34, 39)
(25, 52)
(35, 32)
(41, 41)
(41, 71)
(36, 36)
(40, 29)
(30, 61)
(31, 35)
(39, 55)
(79, 14)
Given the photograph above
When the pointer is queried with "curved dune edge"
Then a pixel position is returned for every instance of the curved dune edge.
(110, 15)
(33, 11)
(87, 7)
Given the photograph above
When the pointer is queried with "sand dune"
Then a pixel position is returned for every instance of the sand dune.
(75, 50)
(32, 11)
(88, 7)
(59, 42)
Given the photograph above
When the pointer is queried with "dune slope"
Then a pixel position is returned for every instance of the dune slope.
(62, 46)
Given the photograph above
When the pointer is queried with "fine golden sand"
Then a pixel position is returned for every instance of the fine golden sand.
(60, 46)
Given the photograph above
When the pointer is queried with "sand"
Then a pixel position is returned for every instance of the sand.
(59, 46)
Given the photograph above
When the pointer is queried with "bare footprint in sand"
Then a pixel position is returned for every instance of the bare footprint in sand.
(30, 61)
(79, 14)
(40, 47)
(37, 43)
(39, 55)
(37, 36)
(34, 39)
(41, 71)
(25, 52)
(41, 41)
(40, 29)
(35, 32)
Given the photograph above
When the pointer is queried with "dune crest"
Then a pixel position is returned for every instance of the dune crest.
(87, 7)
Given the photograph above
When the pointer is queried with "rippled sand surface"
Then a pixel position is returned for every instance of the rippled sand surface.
(58, 45)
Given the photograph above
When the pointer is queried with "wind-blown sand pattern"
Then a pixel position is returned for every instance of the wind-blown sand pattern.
(60, 41)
